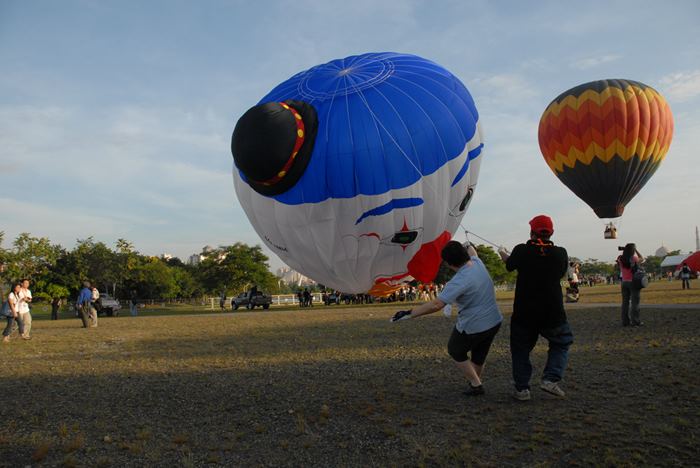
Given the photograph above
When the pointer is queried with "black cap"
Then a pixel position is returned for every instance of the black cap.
(263, 143)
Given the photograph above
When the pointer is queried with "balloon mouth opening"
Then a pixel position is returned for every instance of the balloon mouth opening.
(609, 211)
(272, 145)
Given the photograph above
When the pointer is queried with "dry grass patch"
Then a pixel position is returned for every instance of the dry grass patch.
(344, 387)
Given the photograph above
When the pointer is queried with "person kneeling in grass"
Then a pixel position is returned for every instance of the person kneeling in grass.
(479, 318)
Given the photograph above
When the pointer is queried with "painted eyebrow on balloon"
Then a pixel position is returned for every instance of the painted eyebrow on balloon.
(389, 206)
(471, 155)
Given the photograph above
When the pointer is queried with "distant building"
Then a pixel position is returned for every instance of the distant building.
(207, 250)
(672, 261)
(293, 278)
(662, 251)
(166, 256)
(194, 259)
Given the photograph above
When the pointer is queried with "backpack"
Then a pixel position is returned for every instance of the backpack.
(5, 311)
(640, 280)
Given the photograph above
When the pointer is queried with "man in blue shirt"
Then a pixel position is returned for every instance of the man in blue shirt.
(83, 304)
(479, 318)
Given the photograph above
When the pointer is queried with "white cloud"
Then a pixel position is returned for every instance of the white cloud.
(681, 86)
(592, 62)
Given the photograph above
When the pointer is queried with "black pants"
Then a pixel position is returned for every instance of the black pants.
(478, 343)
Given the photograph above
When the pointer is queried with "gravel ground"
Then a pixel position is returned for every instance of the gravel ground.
(343, 387)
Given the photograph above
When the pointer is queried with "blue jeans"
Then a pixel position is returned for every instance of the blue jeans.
(524, 338)
(10, 322)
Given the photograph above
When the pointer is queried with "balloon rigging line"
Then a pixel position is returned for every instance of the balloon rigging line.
(479, 237)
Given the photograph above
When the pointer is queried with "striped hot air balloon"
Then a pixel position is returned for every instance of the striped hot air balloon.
(605, 139)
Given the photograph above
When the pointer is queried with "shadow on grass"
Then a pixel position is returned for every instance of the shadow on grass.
(351, 391)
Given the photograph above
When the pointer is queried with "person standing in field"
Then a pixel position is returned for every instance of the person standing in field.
(84, 304)
(133, 303)
(11, 312)
(96, 303)
(55, 305)
(25, 299)
(95, 306)
(629, 261)
(538, 308)
(685, 275)
(478, 319)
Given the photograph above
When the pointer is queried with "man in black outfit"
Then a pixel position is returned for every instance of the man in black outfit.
(538, 308)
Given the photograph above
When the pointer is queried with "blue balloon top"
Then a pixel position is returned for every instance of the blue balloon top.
(384, 121)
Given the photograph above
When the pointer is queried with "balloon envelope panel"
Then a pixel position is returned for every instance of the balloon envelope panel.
(605, 139)
(394, 165)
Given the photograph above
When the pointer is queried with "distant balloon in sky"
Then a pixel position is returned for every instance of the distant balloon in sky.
(605, 139)
(358, 171)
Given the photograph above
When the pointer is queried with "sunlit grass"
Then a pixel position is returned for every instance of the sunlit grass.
(658, 292)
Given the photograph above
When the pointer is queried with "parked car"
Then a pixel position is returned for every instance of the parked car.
(258, 300)
(110, 306)
(332, 298)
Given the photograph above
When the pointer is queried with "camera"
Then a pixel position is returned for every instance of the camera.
(620, 248)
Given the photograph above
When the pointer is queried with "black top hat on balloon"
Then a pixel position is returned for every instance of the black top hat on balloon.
(272, 144)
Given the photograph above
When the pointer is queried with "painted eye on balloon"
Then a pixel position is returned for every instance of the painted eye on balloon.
(459, 209)
(402, 238)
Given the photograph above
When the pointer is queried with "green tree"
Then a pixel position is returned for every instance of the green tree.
(97, 263)
(187, 284)
(53, 291)
(495, 266)
(592, 266)
(30, 257)
(154, 280)
(652, 263)
(234, 268)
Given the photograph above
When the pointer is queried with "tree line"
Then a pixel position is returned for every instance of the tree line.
(56, 272)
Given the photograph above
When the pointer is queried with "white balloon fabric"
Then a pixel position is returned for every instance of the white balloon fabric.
(383, 156)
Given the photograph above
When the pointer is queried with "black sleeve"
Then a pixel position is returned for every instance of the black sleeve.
(564, 262)
(513, 261)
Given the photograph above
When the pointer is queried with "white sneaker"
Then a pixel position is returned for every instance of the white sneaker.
(553, 388)
(522, 395)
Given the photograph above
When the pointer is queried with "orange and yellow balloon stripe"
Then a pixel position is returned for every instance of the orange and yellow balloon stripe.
(634, 121)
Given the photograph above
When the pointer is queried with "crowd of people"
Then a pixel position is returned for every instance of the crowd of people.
(16, 309)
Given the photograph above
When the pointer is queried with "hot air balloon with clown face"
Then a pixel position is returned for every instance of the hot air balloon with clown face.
(357, 172)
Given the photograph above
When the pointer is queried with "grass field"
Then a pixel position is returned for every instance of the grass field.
(658, 292)
(342, 387)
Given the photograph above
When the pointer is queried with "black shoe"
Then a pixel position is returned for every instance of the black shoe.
(474, 391)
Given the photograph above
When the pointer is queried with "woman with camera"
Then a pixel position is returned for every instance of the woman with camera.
(629, 261)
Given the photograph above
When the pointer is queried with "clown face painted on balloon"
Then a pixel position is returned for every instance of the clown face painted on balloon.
(357, 172)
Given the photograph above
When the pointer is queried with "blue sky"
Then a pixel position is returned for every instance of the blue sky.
(116, 117)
